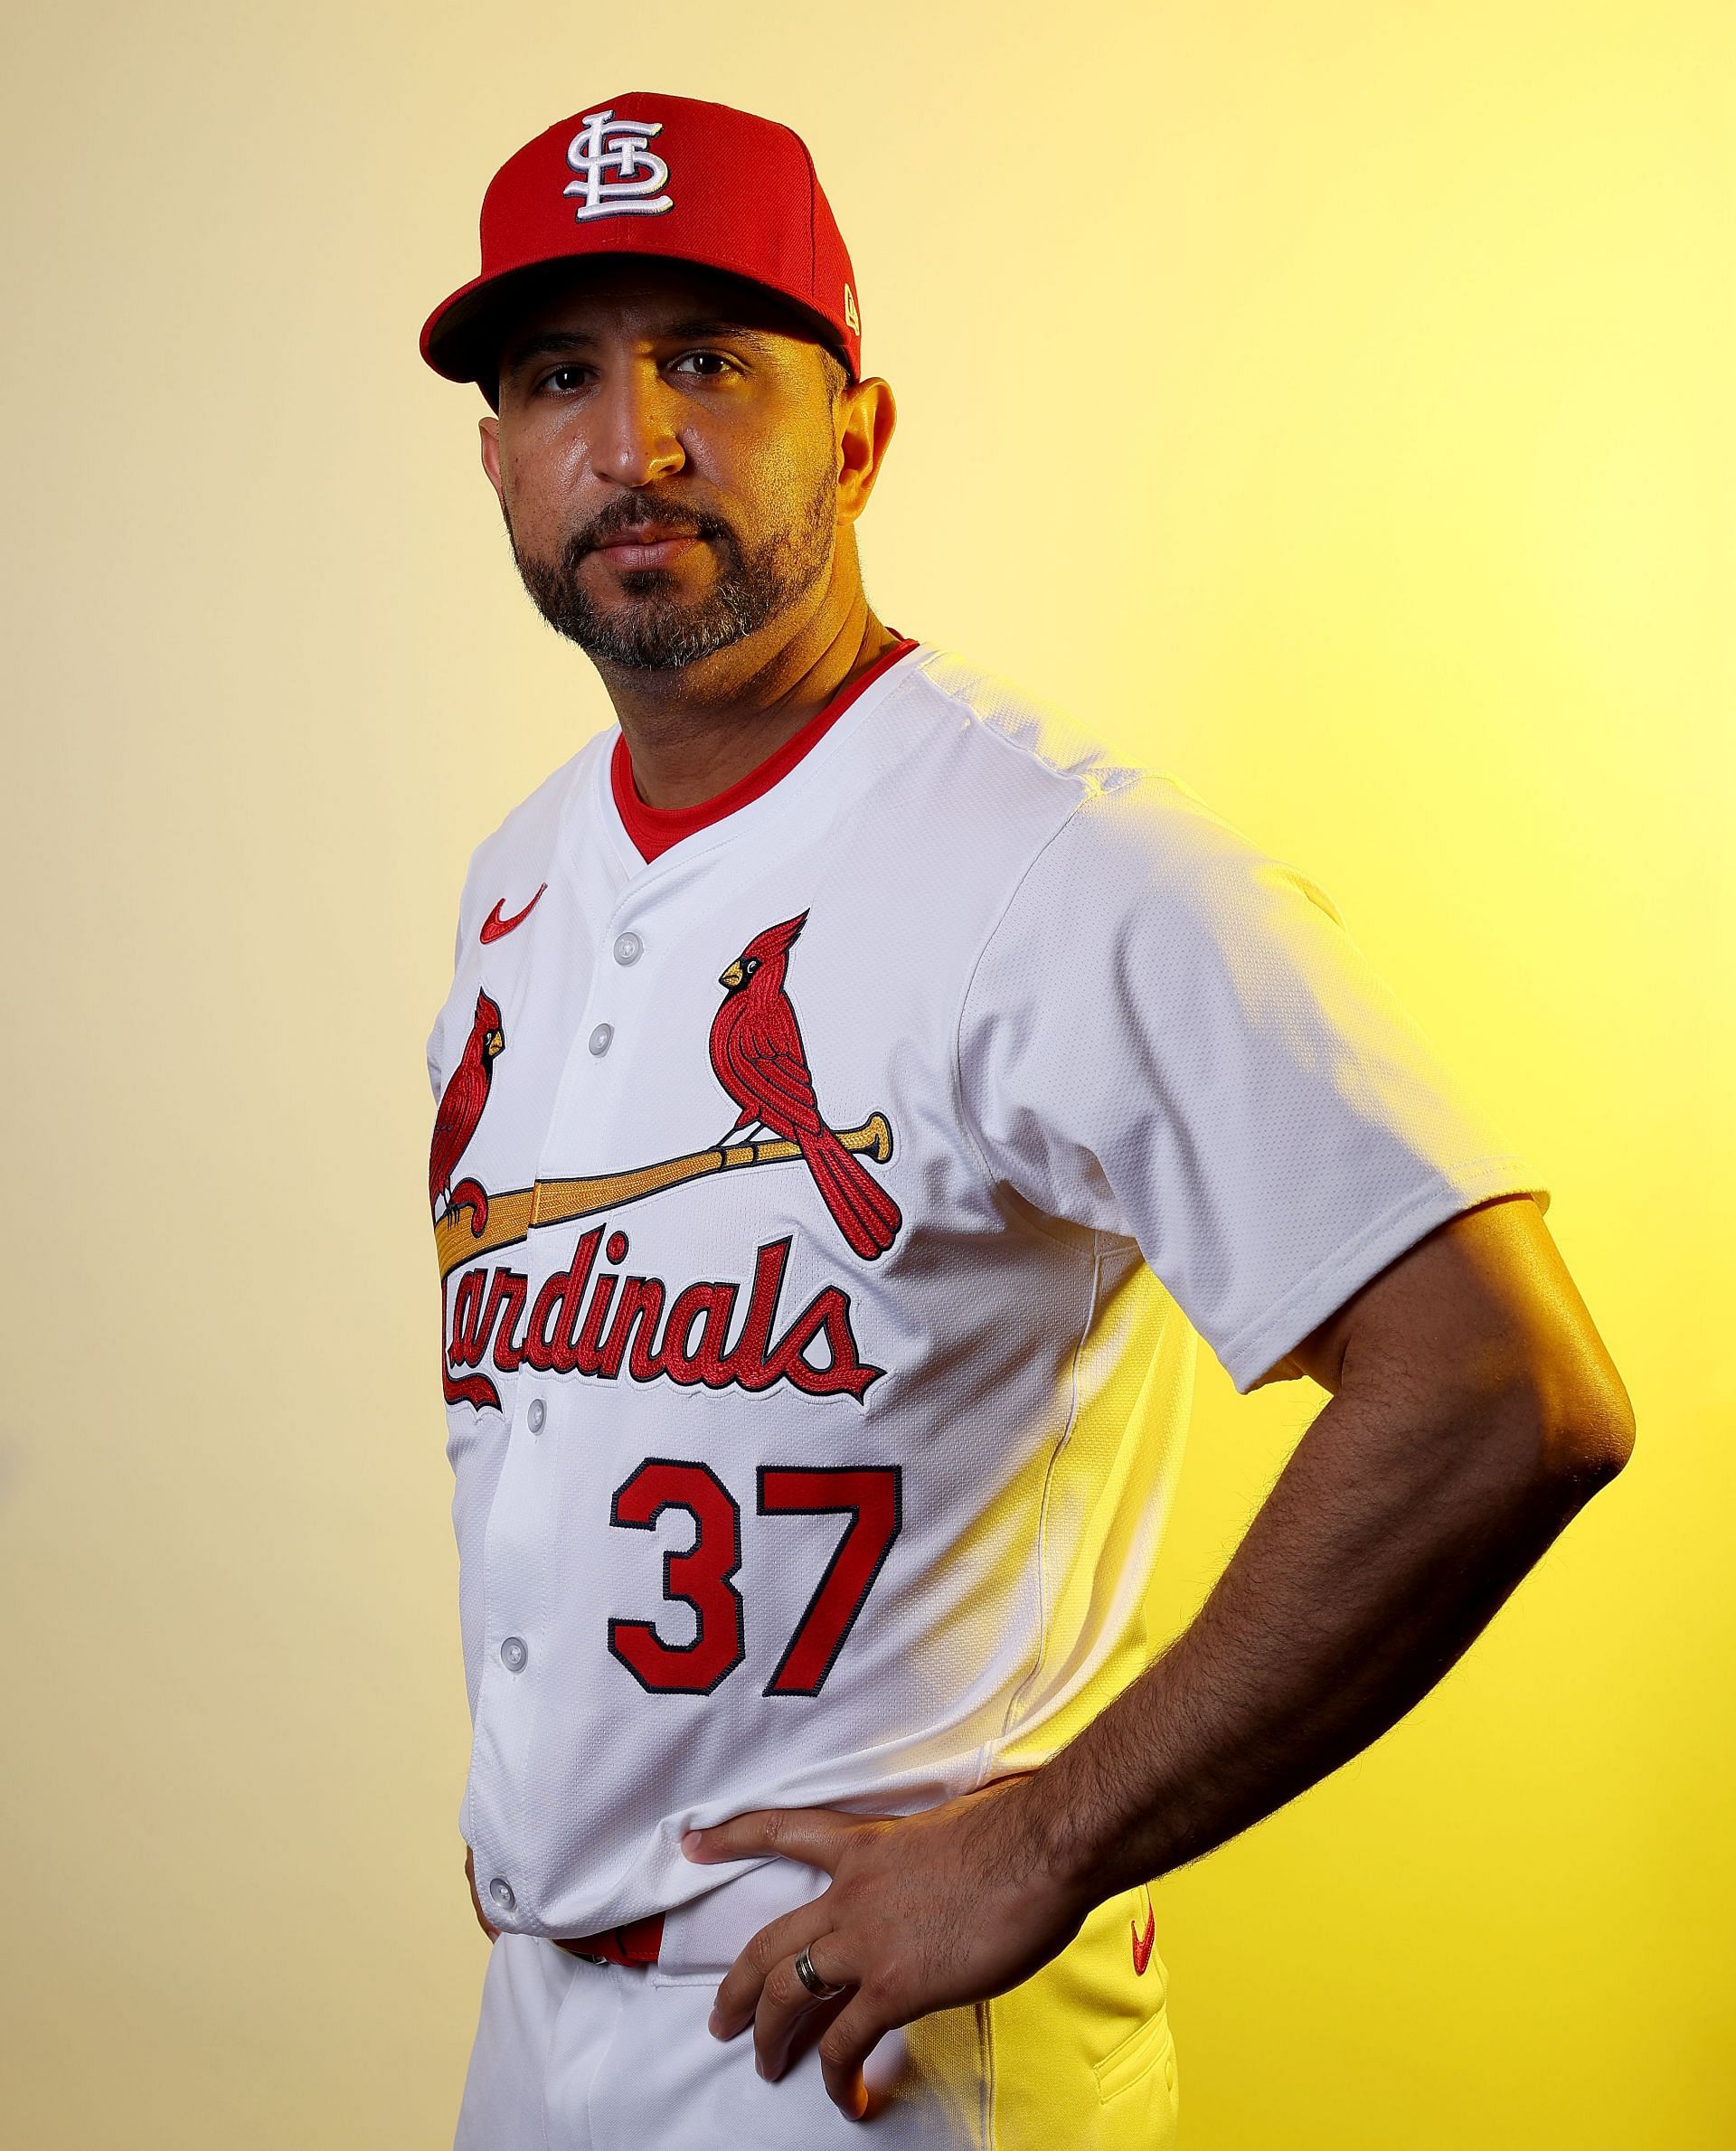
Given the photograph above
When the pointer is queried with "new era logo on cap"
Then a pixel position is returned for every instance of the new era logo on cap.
(642, 174)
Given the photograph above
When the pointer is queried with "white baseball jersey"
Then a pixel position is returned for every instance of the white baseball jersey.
(826, 1209)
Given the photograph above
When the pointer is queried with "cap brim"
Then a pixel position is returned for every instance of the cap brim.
(461, 338)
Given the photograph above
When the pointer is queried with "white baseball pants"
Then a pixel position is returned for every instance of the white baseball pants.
(575, 2056)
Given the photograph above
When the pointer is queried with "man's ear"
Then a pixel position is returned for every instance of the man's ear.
(489, 427)
(865, 417)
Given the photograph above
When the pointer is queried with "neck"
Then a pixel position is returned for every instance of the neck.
(692, 733)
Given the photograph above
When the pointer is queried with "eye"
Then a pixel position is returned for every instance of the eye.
(548, 379)
(710, 365)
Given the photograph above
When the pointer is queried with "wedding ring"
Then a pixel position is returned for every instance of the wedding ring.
(811, 1979)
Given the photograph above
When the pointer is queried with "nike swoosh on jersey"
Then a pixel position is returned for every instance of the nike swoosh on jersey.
(494, 926)
(1142, 1942)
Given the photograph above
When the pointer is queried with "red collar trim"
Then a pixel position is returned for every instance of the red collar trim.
(654, 828)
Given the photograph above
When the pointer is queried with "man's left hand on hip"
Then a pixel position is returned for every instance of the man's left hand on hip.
(924, 1911)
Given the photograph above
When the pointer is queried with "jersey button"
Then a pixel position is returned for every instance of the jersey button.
(501, 1891)
(513, 1655)
(537, 1413)
(627, 948)
(600, 1037)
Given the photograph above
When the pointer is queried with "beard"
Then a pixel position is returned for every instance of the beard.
(653, 627)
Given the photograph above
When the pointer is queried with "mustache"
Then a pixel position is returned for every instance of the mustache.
(620, 516)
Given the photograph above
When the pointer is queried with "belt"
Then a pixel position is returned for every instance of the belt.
(636, 1943)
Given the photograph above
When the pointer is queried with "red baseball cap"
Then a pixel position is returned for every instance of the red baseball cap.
(671, 177)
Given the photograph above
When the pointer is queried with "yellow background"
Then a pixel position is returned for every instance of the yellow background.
(1331, 403)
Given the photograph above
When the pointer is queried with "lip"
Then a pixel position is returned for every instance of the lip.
(646, 548)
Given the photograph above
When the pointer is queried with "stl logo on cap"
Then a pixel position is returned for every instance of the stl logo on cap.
(605, 146)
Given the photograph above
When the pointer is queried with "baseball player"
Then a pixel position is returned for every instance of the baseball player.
(858, 1089)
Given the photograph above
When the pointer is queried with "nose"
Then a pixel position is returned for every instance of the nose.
(633, 414)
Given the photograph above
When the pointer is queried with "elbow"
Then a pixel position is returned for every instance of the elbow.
(1586, 1434)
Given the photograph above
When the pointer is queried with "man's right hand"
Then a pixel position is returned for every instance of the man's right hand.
(483, 1920)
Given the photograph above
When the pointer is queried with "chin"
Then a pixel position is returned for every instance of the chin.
(647, 582)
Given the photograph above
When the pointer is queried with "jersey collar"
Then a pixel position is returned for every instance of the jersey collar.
(643, 832)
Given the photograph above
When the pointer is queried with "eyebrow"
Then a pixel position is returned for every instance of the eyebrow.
(550, 341)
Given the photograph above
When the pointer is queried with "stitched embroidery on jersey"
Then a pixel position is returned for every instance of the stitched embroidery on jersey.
(759, 1058)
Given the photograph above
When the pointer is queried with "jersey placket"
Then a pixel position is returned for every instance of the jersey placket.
(519, 1640)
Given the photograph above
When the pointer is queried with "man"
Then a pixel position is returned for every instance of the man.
(854, 1081)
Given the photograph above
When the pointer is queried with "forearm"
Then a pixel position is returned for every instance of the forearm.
(1380, 1553)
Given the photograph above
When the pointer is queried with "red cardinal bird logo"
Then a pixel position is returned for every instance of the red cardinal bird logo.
(756, 1056)
(462, 1100)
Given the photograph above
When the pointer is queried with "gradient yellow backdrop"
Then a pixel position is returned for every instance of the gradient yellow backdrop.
(1329, 403)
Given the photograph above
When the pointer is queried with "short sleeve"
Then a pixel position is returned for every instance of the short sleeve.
(1170, 1037)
